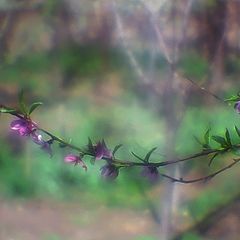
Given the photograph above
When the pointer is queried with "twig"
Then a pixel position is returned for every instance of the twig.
(201, 179)
(127, 163)
(204, 89)
(210, 219)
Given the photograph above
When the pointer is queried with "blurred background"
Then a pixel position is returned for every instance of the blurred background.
(117, 70)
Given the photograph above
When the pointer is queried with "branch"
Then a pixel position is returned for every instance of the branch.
(202, 179)
(210, 219)
(110, 158)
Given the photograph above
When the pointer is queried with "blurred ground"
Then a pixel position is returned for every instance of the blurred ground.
(45, 220)
(101, 72)
(48, 220)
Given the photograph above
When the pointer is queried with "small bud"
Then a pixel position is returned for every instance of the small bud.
(151, 173)
(237, 107)
(45, 145)
(109, 171)
(101, 151)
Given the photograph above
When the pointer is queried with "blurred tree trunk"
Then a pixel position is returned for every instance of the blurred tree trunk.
(212, 22)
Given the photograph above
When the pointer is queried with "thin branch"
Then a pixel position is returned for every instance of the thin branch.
(123, 162)
(127, 163)
(185, 22)
(210, 219)
(204, 89)
(202, 179)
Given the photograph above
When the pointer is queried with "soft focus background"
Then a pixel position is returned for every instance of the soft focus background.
(100, 68)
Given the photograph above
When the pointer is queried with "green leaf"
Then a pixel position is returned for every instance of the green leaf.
(207, 137)
(90, 146)
(116, 148)
(237, 130)
(236, 151)
(212, 158)
(228, 138)
(233, 98)
(7, 110)
(197, 140)
(220, 140)
(135, 155)
(149, 154)
(34, 106)
(22, 105)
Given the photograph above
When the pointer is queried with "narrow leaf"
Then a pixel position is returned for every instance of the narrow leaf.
(135, 155)
(116, 148)
(7, 110)
(228, 138)
(90, 146)
(212, 158)
(197, 140)
(220, 140)
(34, 106)
(149, 154)
(237, 130)
(236, 151)
(22, 105)
(233, 98)
(207, 137)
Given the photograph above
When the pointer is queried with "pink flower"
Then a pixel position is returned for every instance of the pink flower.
(102, 151)
(74, 159)
(23, 127)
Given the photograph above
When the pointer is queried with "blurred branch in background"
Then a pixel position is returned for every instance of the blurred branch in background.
(171, 199)
(212, 218)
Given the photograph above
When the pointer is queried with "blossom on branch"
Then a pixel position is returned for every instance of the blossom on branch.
(24, 127)
(102, 151)
(151, 173)
(74, 159)
(109, 171)
(45, 145)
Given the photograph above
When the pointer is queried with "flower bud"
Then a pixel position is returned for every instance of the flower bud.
(102, 151)
(74, 159)
(109, 171)
(151, 173)
(237, 107)
(45, 145)
(23, 127)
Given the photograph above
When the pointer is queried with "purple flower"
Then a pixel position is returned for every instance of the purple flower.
(109, 171)
(237, 107)
(74, 159)
(151, 173)
(45, 145)
(23, 127)
(102, 151)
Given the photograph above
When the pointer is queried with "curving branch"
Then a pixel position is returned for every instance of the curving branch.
(27, 127)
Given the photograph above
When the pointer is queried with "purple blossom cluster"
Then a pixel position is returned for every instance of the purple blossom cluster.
(25, 127)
